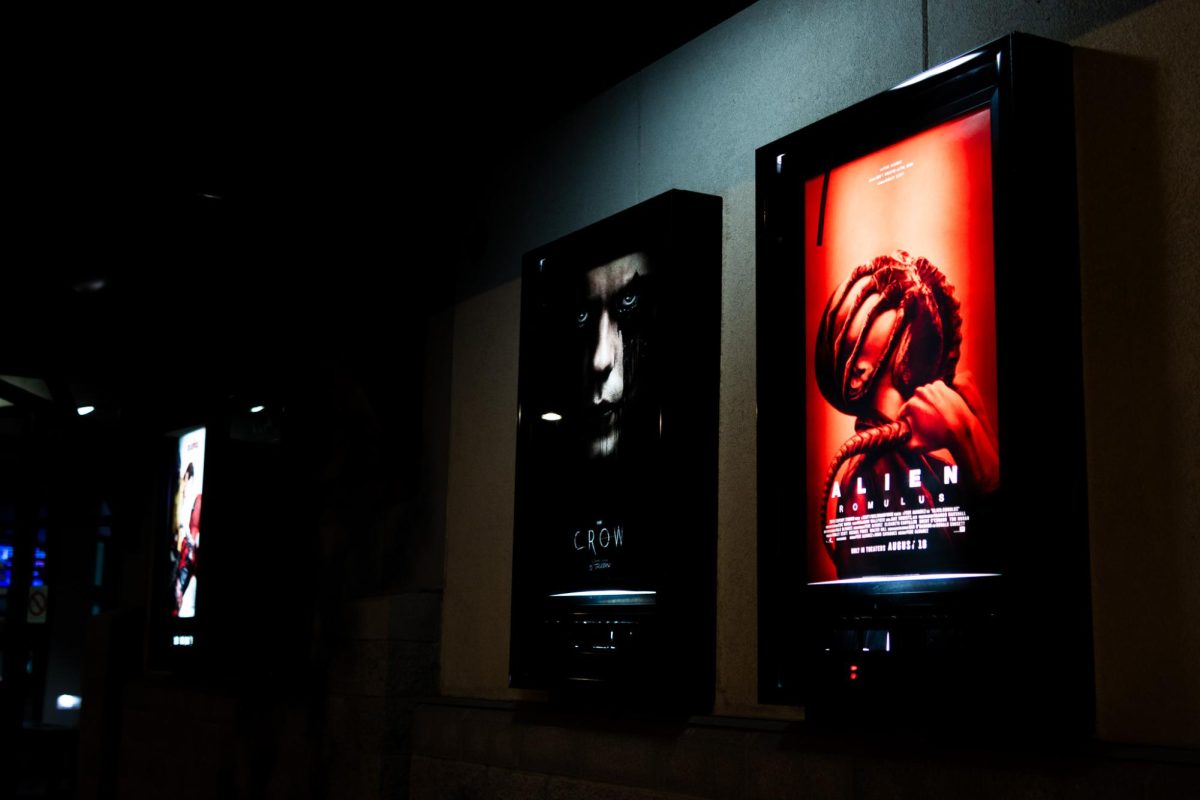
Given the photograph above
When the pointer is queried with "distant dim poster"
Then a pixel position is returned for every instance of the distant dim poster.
(184, 521)
(614, 544)
(900, 391)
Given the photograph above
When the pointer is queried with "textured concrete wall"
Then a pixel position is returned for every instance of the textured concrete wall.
(475, 752)
(345, 735)
(1139, 154)
(479, 508)
(385, 658)
(692, 121)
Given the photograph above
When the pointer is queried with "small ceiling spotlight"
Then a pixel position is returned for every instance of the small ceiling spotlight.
(89, 285)
(68, 702)
(551, 416)
(256, 409)
(83, 411)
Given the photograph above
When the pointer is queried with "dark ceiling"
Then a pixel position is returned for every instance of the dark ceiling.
(280, 177)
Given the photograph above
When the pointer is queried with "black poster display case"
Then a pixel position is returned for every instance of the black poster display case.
(923, 541)
(614, 549)
(230, 588)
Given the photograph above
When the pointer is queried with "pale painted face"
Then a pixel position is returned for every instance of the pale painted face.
(613, 299)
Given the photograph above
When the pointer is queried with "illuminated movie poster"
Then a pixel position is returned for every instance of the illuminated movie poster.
(185, 523)
(614, 523)
(901, 391)
(595, 410)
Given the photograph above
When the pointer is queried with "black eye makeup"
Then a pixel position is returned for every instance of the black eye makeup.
(630, 296)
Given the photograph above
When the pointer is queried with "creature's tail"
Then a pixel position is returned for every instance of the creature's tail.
(872, 440)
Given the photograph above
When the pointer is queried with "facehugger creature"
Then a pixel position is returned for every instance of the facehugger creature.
(887, 351)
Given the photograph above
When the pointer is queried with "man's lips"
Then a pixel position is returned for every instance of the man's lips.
(605, 413)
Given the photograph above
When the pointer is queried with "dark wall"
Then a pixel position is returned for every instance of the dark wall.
(692, 120)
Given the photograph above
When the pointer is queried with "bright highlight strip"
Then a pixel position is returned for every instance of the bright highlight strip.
(83, 411)
(892, 578)
(604, 593)
(256, 409)
(550, 416)
(949, 65)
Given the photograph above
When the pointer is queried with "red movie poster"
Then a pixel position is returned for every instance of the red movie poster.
(185, 523)
(901, 390)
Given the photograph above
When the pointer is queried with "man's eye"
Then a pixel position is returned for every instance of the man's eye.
(629, 300)
(581, 317)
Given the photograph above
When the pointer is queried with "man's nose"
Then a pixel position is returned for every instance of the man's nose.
(602, 359)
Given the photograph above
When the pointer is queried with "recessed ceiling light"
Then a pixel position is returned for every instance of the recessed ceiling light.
(89, 285)
(256, 409)
(551, 416)
(68, 702)
(83, 411)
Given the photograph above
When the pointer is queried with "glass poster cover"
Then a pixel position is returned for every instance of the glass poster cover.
(616, 442)
(184, 553)
(600, 415)
(900, 318)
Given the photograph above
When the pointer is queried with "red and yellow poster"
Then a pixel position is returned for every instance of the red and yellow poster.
(185, 523)
(900, 325)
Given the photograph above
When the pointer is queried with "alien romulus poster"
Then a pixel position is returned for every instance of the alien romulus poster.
(901, 393)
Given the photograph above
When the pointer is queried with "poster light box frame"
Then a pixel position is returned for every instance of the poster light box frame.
(614, 550)
(954, 196)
